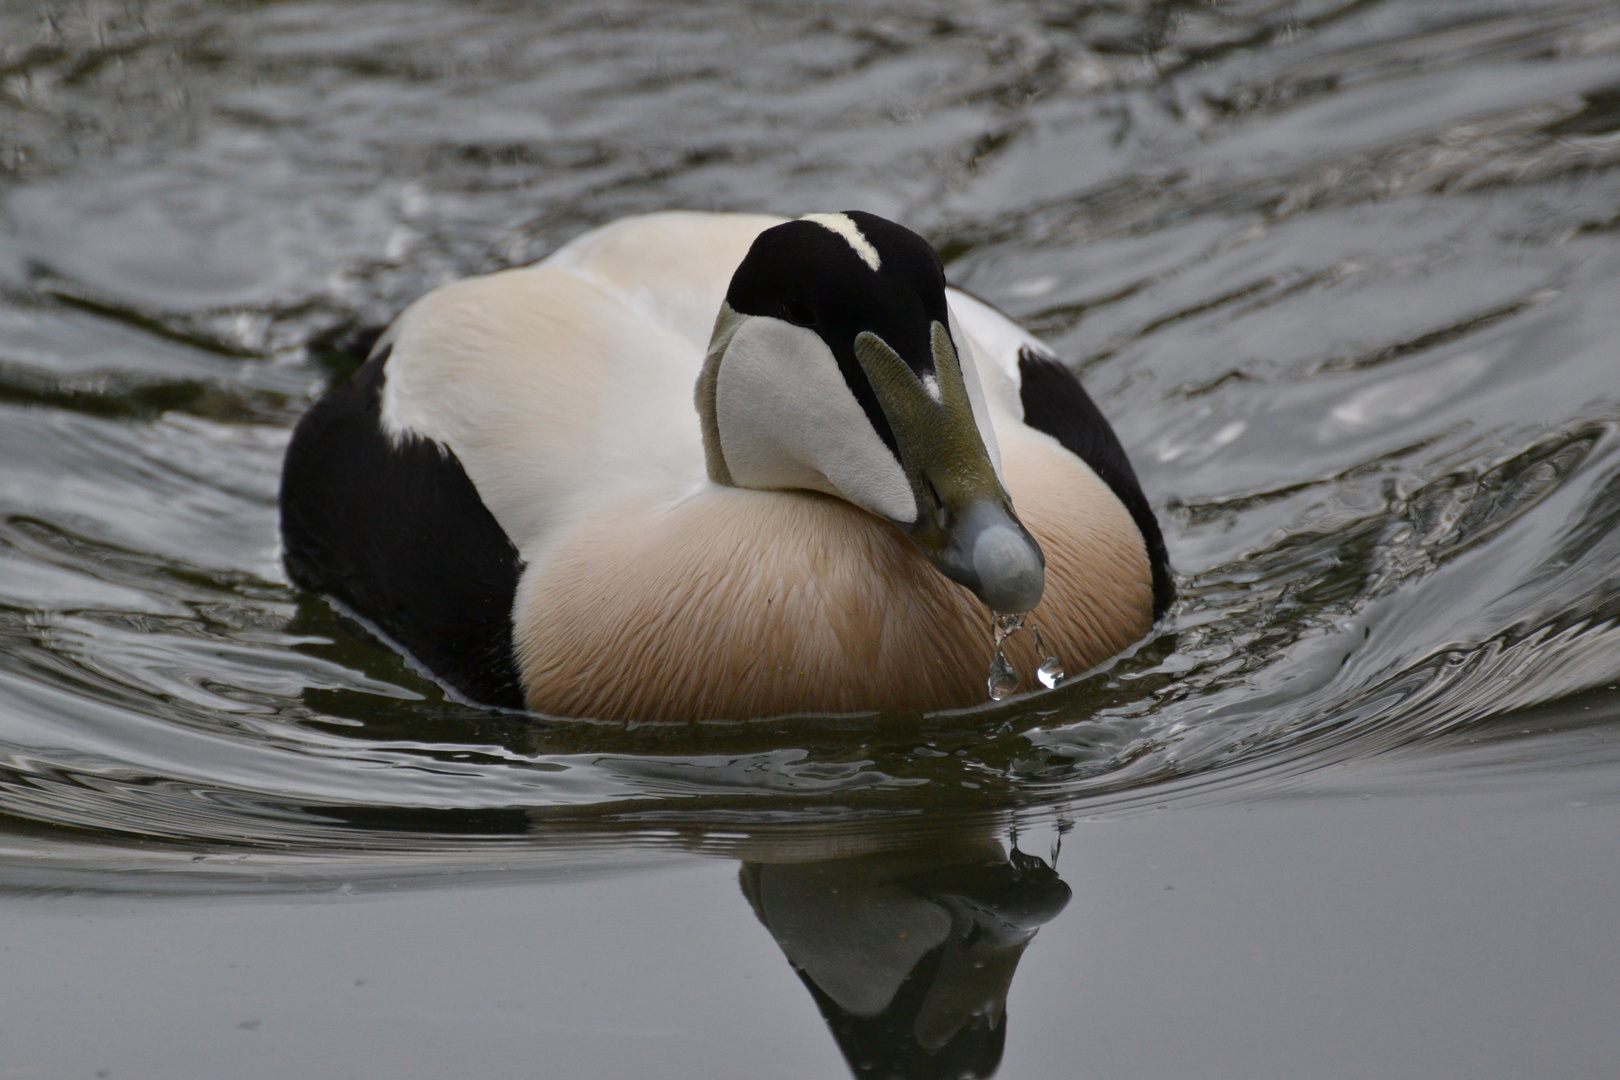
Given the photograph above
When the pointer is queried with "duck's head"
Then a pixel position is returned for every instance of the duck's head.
(833, 368)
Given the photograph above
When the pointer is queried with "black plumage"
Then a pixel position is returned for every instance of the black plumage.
(1056, 403)
(397, 532)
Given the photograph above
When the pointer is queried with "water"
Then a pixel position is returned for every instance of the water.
(1002, 681)
(1003, 678)
(1051, 670)
(1342, 273)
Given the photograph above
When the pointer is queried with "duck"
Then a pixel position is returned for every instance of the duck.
(702, 465)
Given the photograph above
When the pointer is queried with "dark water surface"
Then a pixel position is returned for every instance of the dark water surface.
(1346, 277)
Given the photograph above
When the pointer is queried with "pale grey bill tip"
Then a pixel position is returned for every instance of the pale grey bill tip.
(1011, 574)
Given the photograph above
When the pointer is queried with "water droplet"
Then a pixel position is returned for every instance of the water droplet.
(1050, 672)
(1005, 626)
(1003, 679)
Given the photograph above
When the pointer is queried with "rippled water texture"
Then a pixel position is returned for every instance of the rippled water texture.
(1343, 274)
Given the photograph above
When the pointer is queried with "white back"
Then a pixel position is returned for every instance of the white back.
(569, 383)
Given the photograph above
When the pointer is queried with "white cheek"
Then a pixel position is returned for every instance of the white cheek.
(787, 420)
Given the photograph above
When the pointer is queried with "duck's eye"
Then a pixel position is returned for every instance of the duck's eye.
(798, 313)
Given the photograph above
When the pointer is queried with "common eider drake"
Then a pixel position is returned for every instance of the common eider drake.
(516, 488)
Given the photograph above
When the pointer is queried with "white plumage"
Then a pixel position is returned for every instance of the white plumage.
(565, 390)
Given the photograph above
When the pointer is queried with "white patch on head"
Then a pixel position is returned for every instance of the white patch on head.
(930, 383)
(845, 226)
(787, 420)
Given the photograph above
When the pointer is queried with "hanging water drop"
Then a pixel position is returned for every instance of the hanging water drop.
(1051, 670)
(1005, 626)
(1003, 679)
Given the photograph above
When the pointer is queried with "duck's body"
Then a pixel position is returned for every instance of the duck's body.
(517, 488)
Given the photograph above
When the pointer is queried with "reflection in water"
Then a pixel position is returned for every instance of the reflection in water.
(909, 955)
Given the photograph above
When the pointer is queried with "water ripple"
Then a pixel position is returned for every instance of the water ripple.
(1340, 271)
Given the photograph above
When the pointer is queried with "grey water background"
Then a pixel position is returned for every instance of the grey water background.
(1346, 278)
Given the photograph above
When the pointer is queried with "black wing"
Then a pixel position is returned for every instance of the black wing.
(399, 534)
(1056, 403)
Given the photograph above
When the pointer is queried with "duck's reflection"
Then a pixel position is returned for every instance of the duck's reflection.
(909, 955)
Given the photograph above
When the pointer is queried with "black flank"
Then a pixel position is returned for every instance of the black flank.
(1056, 403)
(399, 534)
